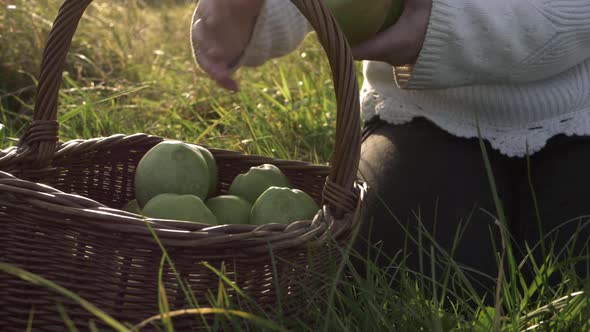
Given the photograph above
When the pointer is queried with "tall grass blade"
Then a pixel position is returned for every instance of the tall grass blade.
(40, 281)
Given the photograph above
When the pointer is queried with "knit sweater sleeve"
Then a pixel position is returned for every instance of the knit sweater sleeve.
(501, 41)
(280, 28)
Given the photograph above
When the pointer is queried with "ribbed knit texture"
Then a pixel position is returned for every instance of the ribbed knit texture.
(280, 28)
(500, 41)
(517, 70)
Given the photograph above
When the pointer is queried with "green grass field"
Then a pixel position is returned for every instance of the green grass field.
(130, 70)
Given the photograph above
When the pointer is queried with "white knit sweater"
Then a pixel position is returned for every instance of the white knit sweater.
(518, 69)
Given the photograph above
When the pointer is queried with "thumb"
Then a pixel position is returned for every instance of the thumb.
(391, 45)
(401, 43)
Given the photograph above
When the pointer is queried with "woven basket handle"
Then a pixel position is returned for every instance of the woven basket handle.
(42, 134)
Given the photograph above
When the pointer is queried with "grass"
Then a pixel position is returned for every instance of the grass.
(130, 70)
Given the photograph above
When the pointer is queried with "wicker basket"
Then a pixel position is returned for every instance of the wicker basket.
(59, 211)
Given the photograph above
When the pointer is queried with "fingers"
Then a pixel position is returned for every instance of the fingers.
(218, 71)
(220, 32)
(401, 43)
(211, 58)
(228, 83)
(392, 45)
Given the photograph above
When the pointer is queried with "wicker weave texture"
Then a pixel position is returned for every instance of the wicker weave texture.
(59, 201)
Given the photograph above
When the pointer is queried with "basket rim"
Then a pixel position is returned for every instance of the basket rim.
(104, 221)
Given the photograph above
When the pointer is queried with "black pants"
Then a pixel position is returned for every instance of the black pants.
(421, 177)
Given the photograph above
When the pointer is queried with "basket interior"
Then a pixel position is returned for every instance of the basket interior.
(106, 174)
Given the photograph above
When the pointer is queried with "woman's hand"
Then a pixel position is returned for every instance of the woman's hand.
(401, 43)
(221, 30)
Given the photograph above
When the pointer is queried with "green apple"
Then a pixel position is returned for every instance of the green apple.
(359, 19)
(211, 165)
(395, 11)
(171, 167)
(132, 206)
(229, 209)
(282, 205)
(179, 207)
(254, 182)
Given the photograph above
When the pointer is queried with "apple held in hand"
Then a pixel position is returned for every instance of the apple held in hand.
(362, 19)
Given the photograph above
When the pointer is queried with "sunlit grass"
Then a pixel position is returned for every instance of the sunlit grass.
(130, 70)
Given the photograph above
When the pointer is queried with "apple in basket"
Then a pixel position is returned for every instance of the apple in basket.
(173, 179)
(211, 165)
(282, 205)
(172, 167)
(132, 206)
(257, 180)
(179, 207)
(229, 209)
